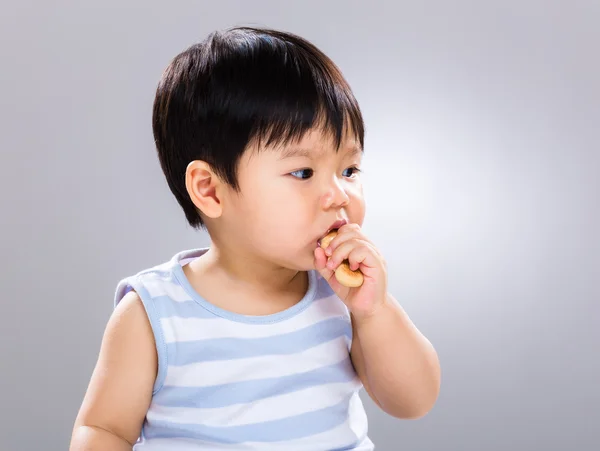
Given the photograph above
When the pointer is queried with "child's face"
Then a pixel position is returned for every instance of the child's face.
(287, 202)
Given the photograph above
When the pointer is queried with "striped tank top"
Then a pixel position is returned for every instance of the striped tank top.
(227, 381)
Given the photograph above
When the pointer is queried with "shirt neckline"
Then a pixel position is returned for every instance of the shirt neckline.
(185, 256)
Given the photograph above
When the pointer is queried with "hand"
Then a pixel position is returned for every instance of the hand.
(352, 245)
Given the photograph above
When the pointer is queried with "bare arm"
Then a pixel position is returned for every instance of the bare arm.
(398, 366)
(120, 390)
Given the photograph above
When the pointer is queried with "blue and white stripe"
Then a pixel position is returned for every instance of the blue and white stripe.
(236, 382)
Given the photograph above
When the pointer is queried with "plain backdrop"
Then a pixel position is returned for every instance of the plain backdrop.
(482, 182)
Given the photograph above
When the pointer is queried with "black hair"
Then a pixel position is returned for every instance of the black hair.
(240, 86)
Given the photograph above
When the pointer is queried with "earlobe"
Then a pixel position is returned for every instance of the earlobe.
(204, 186)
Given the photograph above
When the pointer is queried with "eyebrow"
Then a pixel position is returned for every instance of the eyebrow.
(298, 152)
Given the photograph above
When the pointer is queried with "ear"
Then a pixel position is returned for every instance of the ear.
(205, 188)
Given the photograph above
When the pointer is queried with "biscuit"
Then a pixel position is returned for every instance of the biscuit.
(344, 275)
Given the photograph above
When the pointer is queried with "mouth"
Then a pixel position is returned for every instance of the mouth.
(336, 225)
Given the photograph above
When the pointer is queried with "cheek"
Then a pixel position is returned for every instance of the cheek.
(288, 212)
(356, 208)
(259, 192)
(276, 205)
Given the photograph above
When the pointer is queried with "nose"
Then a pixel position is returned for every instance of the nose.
(335, 195)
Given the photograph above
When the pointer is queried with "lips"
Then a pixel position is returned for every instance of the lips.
(336, 225)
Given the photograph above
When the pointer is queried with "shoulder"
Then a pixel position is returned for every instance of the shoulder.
(129, 322)
(121, 386)
(129, 340)
(154, 281)
(130, 308)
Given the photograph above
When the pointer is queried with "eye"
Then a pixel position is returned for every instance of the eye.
(353, 171)
(302, 174)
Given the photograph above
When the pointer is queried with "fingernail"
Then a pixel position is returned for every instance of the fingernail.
(328, 251)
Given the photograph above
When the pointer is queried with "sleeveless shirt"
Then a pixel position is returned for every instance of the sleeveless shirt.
(228, 381)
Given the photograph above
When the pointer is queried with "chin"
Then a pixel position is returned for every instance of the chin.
(309, 264)
(304, 262)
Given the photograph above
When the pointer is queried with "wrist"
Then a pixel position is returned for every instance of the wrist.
(380, 309)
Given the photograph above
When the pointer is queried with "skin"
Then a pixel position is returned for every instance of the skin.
(263, 240)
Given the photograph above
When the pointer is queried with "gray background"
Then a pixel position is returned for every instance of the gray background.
(481, 180)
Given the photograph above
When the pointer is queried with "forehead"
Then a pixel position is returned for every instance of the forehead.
(315, 153)
(316, 144)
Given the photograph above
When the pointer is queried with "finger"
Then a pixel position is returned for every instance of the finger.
(329, 275)
(363, 257)
(342, 252)
(321, 262)
(350, 227)
(349, 232)
(320, 259)
(345, 233)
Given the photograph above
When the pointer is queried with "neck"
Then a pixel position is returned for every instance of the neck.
(248, 272)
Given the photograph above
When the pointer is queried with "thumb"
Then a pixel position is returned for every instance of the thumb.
(321, 262)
